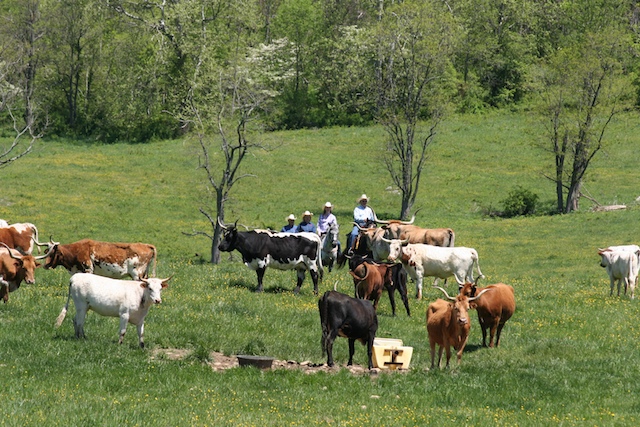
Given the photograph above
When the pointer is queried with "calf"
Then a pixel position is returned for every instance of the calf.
(129, 300)
(369, 279)
(494, 308)
(448, 325)
(355, 319)
(621, 265)
(396, 281)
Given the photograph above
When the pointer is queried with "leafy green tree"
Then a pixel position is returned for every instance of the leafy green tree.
(415, 40)
(584, 85)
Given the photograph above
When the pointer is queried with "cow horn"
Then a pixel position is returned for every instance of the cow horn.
(445, 292)
(224, 227)
(359, 228)
(10, 253)
(479, 295)
(46, 254)
(413, 218)
(379, 221)
(168, 278)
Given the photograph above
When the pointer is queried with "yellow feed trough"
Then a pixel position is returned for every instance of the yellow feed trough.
(389, 353)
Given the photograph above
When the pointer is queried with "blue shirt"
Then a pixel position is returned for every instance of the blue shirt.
(289, 229)
(307, 226)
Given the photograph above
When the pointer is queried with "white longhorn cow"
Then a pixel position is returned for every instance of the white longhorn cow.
(621, 265)
(129, 300)
(422, 260)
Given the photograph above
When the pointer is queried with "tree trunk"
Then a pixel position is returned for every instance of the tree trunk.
(573, 197)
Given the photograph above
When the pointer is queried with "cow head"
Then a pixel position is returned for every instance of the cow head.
(395, 248)
(229, 237)
(152, 288)
(53, 255)
(25, 266)
(460, 305)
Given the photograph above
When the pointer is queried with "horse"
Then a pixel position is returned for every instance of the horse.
(330, 246)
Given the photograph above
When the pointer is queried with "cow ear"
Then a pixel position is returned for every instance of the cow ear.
(38, 265)
(144, 284)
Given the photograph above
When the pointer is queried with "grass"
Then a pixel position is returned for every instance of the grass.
(568, 356)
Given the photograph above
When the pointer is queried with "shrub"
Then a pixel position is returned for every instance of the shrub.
(520, 201)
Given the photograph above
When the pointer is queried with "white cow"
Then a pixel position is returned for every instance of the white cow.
(129, 300)
(422, 260)
(621, 265)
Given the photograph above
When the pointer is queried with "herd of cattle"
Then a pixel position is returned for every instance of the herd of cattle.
(381, 258)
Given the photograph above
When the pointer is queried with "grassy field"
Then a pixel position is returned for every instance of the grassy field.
(569, 356)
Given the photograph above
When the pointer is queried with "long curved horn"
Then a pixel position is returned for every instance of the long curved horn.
(10, 253)
(445, 292)
(379, 221)
(479, 295)
(413, 218)
(359, 228)
(167, 279)
(224, 227)
(43, 256)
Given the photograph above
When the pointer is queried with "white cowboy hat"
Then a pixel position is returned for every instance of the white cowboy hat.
(363, 197)
(328, 205)
(307, 213)
(291, 217)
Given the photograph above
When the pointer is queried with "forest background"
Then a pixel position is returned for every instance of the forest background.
(135, 70)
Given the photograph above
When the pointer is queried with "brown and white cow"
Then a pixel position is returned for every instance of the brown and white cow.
(494, 308)
(448, 325)
(21, 237)
(115, 260)
(15, 268)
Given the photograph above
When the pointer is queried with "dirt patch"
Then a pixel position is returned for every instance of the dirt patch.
(220, 362)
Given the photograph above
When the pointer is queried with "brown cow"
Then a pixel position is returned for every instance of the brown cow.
(448, 325)
(494, 309)
(115, 260)
(20, 236)
(14, 269)
(369, 280)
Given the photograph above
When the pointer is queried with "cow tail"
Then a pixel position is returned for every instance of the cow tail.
(63, 312)
(452, 238)
(320, 267)
(324, 322)
(480, 275)
(155, 260)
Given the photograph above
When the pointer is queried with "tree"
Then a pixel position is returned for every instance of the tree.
(18, 66)
(415, 41)
(584, 86)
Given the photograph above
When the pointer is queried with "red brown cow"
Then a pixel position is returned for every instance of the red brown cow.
(448, 325)
(15, 268)
(115, 260)
(369, 280)
(20, 236)
(494, 308)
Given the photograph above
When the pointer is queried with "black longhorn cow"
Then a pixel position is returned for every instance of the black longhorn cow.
(355, 319)
(282, 251)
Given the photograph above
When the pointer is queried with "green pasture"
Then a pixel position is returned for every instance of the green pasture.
(569, 356)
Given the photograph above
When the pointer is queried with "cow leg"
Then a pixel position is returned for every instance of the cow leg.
(124, 318)
(301, 274)
(493, 330)
(483, 326)
(314, 278)
(260, 273)
(372, 336)
(498, 332)
(140, 328)
(352, 350)
(78, 321)
(329, 347)
(419, 286)
(432, 345)
(392, 298)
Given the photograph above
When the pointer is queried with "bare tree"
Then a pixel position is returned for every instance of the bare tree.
(234, 146)
(17, 80)
(582, 96)
(415, 42)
